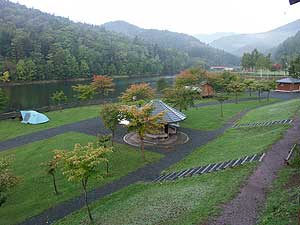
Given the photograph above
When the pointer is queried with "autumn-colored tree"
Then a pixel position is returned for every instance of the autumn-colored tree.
(110, 115)
(82, 163)
(59, 98)
(5, 77)
(103, 84)
(220, 97)
(136, 92)
(84, 92)
(3, 99)
(51, 167)
(142, 121)
(235, 87)
(181, 97)
(191, 77)
(7, 178)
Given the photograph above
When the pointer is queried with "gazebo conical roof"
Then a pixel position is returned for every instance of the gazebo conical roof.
(171, 115)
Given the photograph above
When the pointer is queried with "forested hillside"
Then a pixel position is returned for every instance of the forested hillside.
(289, 48)
(197, 50)
(39, 46)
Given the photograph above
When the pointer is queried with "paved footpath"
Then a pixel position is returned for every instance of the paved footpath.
(146, 173)
(246, 207)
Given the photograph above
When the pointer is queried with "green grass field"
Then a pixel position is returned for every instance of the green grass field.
(35, 191)
(282, 200)
(235, 143)
(189, 200)
(13, 128)
(209, 117)
(183, 202)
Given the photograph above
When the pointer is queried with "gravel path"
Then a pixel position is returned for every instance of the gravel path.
(245, 208)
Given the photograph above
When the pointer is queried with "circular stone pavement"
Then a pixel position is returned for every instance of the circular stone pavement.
(174, 139)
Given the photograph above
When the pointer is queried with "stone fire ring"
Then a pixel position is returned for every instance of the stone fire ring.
(175, 139)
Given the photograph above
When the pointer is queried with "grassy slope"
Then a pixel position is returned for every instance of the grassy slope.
(282, 205)
(209, 118)
(186, 201)
(282, 201)
(239, 142)
(35, 192)
(13, 128)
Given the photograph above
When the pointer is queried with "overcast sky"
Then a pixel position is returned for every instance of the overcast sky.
(186, 16)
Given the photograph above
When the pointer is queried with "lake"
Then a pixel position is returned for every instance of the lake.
(29, 96)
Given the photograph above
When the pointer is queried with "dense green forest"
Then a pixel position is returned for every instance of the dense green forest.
(289, 49)
(39, 46)
(197, 50)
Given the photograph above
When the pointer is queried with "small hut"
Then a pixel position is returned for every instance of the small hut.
(171, 117)
(207, 90)
(288, 85)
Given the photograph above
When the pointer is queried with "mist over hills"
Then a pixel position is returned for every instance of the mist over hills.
(208, 38)
(179, 41)
(264, 42)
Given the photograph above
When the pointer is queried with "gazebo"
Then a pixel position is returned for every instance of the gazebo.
(171, 117)
(288, 85)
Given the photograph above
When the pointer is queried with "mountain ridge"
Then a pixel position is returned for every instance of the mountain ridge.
(264, 41)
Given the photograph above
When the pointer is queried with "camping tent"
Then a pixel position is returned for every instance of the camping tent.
(33, 117)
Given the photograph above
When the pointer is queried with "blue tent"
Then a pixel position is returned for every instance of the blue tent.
(33, 117)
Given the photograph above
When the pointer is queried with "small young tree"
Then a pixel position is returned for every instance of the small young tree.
(103, 84)
(141, 121)
(235, 87)
(181, 97)
(220, 97)
(259, 87)
(102, 141)
(110, 115)
(82, 163)
(59, 98)
(3, 99)
(50, 168)
(7, 179)
(137, 92)
(84, 92)
(268, 87)
(250, 85)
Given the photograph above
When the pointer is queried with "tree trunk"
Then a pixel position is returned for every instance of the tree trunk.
(142, 148)
(250, 92)
(268, 96)
(221, 109)
(84, 184)
(236, 97)
(107, 167)
(54, 183)
(112, 137)
(259, 93)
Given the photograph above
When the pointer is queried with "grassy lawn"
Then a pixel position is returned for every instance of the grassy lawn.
(186, 201)
(35, 191)
(209, 117)
(279, 111)
(235, 143)
(230, 97)
(282, 201)
(13, 128)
